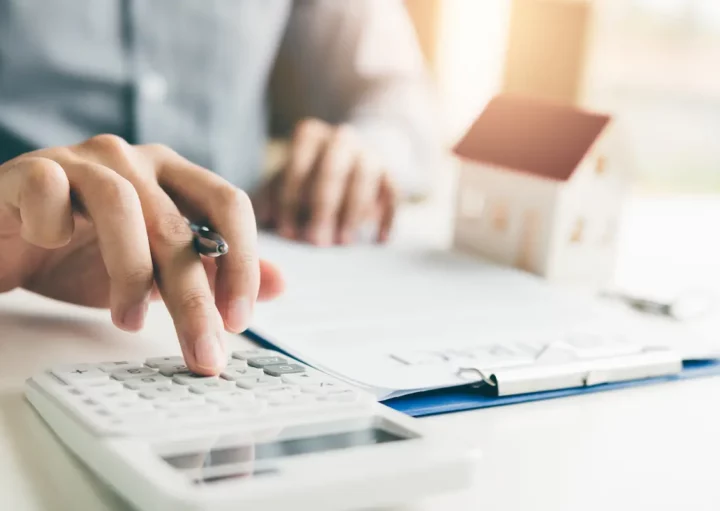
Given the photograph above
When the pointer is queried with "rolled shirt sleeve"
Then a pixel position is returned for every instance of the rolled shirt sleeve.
(359, 62)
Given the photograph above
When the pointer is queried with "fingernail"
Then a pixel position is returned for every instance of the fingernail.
(286, 231)
(135, 316)
(346, 237)
(239, 315)
(210, 353)
(323, 236)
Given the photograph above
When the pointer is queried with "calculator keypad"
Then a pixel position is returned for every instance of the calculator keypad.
(127, 397)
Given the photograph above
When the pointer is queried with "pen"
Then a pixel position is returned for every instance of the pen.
(207, 242)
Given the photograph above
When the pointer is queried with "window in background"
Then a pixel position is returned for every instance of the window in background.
(656, 64)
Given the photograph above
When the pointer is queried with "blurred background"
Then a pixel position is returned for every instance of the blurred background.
(653, 64)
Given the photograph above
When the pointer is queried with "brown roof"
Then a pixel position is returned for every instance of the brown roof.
(534, 136)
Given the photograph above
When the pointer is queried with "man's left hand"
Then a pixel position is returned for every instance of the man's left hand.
(330, 189)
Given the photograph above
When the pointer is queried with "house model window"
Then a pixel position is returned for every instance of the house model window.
(578, 231)
(600, 165)
(500, 216)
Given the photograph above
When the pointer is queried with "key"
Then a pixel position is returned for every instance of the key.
(156, 380)
(256, 382)
(106, 387)
(164, 392)
(324, 388)
(193, 414)
(157, 362)
(173, 369)
(231, 399)
(280, 369)
(246, 354)
(306, 378)
(233, 373)
(179, 402)
(276, 400)
(81, 374)
(133, 372)
(236, 363)
(265, 361)
(217, 385)
(242, 410)
(109, 367)
(130, 407)
(265, 392)
(190, 378)
(122, 396)
(138, 422)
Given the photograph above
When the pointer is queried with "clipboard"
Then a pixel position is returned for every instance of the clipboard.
(659, 367)
(460, 399)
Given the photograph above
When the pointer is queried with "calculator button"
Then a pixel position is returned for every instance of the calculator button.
(105, 387)
(136, 423)
(109, 367)
(215, 385)
(191, 378)
(133, 372)
(256, 382)
(277, 400)
(280, 369)
(231, 399)
(156, 380)
(80, 374)
(261, 362)
(275, 391)
(171, 370)
(123, 396)
(253, 353)
(130, 407)
(306, 378)
(157, 362)
(164, 392)
(173, 402)
(324, 388)
(235, 372)
(193, 414)
(242, 411)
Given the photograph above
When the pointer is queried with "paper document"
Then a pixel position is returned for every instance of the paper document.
(401, 319)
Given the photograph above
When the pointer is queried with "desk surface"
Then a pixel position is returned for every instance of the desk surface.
(646, 448)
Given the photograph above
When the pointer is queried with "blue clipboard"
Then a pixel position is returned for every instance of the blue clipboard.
(460, 399)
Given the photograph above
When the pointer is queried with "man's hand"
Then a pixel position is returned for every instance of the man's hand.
(329, 190)
(102, 224)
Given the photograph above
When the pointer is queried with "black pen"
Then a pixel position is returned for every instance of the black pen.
(207, 242)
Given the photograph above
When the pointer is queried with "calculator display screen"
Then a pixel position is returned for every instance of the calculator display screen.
(216, 464)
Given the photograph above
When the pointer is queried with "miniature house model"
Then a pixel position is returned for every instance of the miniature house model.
(538, 190)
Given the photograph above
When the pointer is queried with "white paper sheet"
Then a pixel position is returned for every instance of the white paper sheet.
(359, 312)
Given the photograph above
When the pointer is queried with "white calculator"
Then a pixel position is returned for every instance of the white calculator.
(268, 434)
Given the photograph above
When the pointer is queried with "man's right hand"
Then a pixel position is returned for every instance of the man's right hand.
(102, 224)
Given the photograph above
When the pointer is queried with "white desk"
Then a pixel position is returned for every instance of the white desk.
(652, 448)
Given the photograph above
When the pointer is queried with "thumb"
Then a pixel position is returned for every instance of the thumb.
(272, 283)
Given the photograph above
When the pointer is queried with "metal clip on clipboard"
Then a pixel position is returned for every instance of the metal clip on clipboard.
(577, 373)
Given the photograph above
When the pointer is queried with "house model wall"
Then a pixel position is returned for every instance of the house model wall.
(538, 190)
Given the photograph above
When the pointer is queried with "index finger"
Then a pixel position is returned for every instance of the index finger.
(228, 210)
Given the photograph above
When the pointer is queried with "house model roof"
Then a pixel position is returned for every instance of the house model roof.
(532, 136)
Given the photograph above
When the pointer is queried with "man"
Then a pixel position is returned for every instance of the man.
(112, 110)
